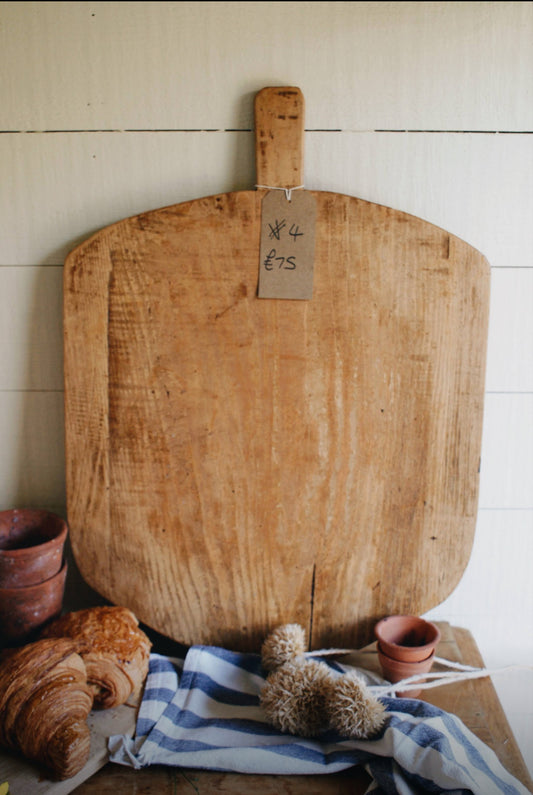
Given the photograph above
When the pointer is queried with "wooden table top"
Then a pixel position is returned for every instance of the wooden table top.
(474, 701)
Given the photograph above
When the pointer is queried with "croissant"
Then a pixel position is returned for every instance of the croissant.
(113, 647)
(44, 704)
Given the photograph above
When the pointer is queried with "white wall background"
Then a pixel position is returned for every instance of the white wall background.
(112, 108)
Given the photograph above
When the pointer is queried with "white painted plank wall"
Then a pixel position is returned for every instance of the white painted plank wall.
(108, 109)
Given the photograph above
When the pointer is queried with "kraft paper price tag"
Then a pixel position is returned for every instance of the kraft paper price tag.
(287, 245)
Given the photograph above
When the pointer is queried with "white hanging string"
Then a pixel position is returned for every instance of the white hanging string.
(420, 681)
(288, 191)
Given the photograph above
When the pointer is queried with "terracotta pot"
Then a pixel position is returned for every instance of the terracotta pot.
(407, 638)
(23, 611)
(31, 546)
(406, 647)
(396, 670)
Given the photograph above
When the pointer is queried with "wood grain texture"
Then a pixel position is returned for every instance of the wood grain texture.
(233, 464)
(158, 780)
(279, 137)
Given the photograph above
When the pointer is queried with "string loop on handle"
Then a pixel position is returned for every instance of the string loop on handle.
(288, 191)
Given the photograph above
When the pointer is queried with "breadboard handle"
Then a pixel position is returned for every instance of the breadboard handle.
(279, 135)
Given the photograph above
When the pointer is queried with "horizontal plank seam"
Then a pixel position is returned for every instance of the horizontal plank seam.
(507, 508)
(249, 130)
(487, 392)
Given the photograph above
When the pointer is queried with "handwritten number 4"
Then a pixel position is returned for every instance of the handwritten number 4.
(277, 228)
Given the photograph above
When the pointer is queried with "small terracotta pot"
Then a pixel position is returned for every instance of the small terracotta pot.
(396, 670)
(407, 638)
(31, 546)
(406, 647)
(23, 611)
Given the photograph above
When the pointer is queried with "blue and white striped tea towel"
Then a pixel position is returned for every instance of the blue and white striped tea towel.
(208, 716)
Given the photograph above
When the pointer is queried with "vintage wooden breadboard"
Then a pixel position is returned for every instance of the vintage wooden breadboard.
(234, 462)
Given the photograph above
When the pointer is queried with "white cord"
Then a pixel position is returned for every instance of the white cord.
(327, 652)
(420, 681)
(451, 664)
(288, 191)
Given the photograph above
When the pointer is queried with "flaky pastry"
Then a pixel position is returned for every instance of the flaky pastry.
(44, 704)
(113, 647)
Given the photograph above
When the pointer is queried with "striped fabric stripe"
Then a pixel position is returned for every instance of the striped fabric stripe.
(204, 712)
